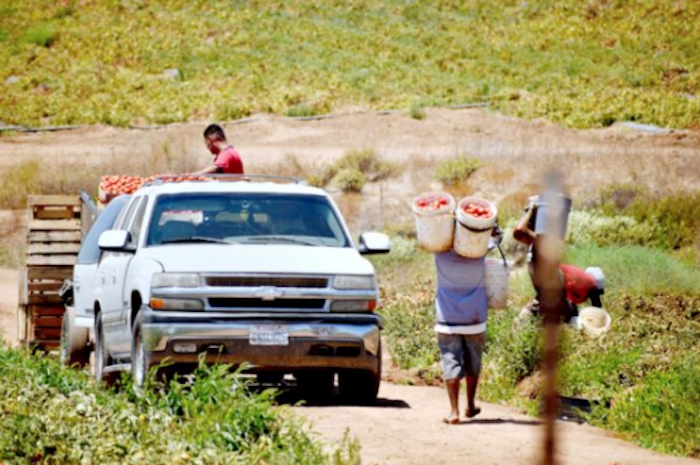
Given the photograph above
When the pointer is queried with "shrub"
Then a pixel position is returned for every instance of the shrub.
(52, 414)
(350, 180)
(417, 111)
(42, 35)
(365, 162)
(661, 412)
(456, 170)
(302, 110)
(592, 227)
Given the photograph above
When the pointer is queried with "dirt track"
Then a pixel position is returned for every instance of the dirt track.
(405, 428)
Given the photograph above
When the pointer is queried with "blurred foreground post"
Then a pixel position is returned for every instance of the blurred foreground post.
(550, 291)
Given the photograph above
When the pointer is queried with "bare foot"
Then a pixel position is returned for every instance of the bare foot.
(472, 413)
(451, 419)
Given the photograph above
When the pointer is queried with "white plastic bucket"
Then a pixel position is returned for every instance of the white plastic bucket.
(497, 275)
(594, 321)
(471, 237)
(434, 228)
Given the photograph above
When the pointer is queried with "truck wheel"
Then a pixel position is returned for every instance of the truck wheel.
(140, 362)
(74, 348)
(361, 386)
(102, 358)
(316, 386)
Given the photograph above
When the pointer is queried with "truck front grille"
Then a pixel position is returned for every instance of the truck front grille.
(230, 302)
(264, 281)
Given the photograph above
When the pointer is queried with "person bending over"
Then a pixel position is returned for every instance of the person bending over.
(226, 158)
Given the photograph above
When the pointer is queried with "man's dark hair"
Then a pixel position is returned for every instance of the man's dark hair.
(215, 130)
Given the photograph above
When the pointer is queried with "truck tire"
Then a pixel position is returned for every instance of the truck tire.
(102, 358)
(74, 350)
(361, 386)
(316, 386)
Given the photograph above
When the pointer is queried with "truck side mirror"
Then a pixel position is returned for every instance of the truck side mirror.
(373, 243)
(113, 240)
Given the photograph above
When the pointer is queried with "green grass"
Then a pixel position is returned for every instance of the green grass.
(52, 414)
(643, 372)
(582, 64)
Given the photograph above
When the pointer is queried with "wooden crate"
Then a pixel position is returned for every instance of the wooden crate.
(53, 240)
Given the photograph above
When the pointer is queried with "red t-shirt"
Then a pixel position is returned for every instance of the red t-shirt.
(229, 161)
(578, 283)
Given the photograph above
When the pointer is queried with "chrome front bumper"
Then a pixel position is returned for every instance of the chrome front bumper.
(315, 340)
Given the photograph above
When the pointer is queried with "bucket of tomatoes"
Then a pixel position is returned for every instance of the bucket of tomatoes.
(434, 216)
(476, 218)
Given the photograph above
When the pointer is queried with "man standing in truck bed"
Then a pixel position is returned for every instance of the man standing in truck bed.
(226, 158)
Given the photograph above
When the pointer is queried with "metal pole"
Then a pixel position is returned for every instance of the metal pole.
(550, 289)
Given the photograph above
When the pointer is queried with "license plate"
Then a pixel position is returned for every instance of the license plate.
(269, 335)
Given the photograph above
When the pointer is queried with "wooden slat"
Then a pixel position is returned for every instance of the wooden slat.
(43, 286)
(48, 321)
(51, 214)
(38, 310)
(45, 299)
(47, 334)
(51, 260)
(54, 225)
(54, 236)
(44, 200)
(53, 248)
(49, 272)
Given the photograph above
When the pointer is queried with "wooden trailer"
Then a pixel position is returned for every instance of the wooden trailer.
(56, 226)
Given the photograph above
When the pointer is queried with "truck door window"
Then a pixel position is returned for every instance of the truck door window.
(136, 227)
(125, 220)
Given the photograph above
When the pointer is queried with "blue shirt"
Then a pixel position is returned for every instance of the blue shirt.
(461, 305)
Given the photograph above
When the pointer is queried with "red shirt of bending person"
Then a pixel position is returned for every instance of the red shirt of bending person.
(226, 158)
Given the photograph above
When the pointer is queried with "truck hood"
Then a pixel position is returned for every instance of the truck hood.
(236, 258)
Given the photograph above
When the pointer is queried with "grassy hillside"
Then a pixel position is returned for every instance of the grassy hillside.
(121, 62)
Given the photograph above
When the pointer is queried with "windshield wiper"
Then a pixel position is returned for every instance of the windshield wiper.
(277, 239)
(183, 240)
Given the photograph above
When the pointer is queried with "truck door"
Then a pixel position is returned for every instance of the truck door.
(113, 268)
(85, 270)
(124, 326)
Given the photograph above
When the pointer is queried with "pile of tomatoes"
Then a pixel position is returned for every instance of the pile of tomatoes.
(113, 185)
(432, 202)
(477, 211)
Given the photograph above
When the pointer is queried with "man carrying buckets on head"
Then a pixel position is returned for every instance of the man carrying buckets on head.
(461, 307)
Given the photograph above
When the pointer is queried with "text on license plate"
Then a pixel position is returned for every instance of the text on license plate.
(269, 335)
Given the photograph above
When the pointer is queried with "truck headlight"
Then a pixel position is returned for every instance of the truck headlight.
(354, 282)
(175, 280)
(353, 306)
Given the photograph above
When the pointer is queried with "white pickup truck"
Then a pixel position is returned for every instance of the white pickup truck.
(261, 272)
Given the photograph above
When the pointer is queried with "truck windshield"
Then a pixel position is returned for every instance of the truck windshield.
(245, 218)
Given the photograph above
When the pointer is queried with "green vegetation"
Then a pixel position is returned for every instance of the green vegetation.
(582, 64)
(456, 170)
(639, 372)
(52, 414)
(353, 170)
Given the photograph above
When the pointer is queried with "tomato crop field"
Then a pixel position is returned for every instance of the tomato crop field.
(130, 62)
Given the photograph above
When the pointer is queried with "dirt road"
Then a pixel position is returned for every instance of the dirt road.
(405, 427)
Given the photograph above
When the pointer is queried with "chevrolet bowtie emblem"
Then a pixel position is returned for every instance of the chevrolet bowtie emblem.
(269, 293)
